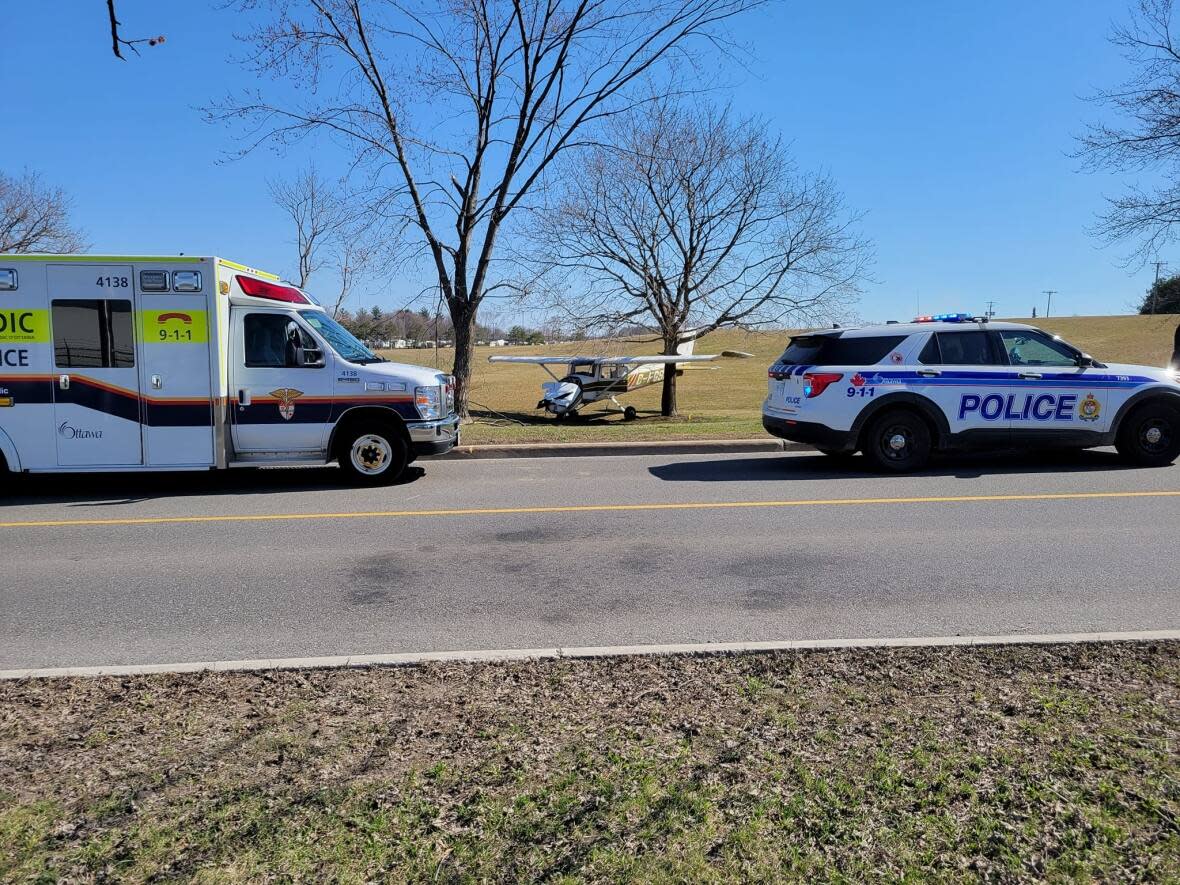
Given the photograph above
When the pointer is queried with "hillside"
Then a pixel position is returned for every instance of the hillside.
(721, 401)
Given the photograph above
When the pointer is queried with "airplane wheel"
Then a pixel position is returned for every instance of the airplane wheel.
(629, 413)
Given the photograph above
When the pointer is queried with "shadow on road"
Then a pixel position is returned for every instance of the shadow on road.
(116, 489)
(776, 468)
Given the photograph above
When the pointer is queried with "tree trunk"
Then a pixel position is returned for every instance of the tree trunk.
(463, 319)
(668, 397)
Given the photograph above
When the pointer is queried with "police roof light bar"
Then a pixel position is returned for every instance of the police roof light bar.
(945, 318)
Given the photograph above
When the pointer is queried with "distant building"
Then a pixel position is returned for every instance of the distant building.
(499, 342)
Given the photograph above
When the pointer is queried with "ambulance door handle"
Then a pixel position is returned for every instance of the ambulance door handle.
(929, 373)
(63, 381)
(1032, 376)
(243, 398)
(157, 382)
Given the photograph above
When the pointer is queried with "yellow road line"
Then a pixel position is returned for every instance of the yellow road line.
(582, 508)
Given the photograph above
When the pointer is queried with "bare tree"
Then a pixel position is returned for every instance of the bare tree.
(117, 41)
(459, 109)
(692, 221)
(333, 231)
(1149, 136)
(35, 217)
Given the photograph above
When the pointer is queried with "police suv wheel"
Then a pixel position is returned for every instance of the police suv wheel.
(1150, 435)
(372, 455)
(897, 442)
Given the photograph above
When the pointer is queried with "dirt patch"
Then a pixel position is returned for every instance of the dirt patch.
(1001, 763)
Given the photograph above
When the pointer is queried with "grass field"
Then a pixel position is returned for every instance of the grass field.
(969, 764)
(722, 402)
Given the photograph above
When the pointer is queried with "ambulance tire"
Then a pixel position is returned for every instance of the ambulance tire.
(1150, 435)
(372, 454)
(897, 441)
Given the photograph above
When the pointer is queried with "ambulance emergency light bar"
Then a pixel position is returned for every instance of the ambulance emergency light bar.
(262, 289)
(945, 318)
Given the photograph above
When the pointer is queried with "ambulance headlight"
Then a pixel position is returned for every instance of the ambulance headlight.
(428, 400)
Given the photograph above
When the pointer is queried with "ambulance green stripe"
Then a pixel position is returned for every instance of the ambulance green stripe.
(91, 259)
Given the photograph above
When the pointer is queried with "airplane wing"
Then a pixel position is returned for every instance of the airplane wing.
(544, 360)
(672, 358)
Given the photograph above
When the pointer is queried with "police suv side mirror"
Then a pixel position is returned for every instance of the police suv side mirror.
(1085, 361)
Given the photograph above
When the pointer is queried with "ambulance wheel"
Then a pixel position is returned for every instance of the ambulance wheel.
(372, 455)
(1150, 435)
(897, 441)
(629, 413)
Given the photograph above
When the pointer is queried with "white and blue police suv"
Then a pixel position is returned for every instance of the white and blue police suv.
(954, 382)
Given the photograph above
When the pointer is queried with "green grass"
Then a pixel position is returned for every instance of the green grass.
(722, 400)
(1004, 763)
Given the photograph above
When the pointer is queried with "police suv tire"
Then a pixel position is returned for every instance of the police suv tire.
(838, 454)
(372, 454)
(897, 441)
(1150, 435)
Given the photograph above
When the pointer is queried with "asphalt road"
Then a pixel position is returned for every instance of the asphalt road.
(579, 551)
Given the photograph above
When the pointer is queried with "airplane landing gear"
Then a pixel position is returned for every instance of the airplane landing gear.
(629, 413)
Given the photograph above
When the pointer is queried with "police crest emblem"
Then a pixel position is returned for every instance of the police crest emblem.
(1090, 409)
(286, 397)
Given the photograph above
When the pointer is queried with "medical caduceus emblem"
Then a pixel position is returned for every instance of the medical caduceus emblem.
(286, 397)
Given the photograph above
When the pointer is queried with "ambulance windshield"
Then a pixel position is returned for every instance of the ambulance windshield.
(339, 338)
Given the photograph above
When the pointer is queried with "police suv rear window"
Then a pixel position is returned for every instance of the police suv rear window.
(833, 350)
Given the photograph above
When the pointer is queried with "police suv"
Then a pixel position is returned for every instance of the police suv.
(900, 391)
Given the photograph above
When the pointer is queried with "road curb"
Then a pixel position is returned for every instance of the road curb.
(639, 447)
(338, 662)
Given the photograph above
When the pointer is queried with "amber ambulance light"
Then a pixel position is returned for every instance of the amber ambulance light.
(262, 289)
(816, 383)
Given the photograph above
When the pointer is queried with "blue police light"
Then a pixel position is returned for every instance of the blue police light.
(945, 318)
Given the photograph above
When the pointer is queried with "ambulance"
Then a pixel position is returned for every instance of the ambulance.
(125, 363)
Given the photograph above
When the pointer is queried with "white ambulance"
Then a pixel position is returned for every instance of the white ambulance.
(183, 363)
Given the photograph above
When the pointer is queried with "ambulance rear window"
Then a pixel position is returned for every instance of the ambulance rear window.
(832, 350)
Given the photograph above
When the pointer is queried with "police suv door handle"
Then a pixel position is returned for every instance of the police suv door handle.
(63, 381)
(929, 373)
(1033, 376)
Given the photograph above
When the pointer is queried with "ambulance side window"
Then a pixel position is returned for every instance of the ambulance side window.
(92, 333)
(275, 341)
(967, 349)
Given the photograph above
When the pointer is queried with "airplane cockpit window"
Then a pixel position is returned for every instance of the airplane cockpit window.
(581, 368)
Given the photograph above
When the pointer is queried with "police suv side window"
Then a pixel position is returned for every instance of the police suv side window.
(967, 349)
(930, 355)
(1026, 348)
(93, 333)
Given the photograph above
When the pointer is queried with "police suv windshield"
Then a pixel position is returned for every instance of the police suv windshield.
(339, 338)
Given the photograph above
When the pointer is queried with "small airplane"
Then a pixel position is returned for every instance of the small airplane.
(590, 379)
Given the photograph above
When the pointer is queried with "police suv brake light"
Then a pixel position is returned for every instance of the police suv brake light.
(256, 288)
(428, 401)
(816, 383)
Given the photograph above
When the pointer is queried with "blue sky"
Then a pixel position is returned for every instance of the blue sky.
(950, 124)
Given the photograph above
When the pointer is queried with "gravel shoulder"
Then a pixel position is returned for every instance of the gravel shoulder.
(1014, 763)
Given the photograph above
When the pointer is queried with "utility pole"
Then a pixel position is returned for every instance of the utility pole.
(1155, 287)
(1049, 301)
(991, 310)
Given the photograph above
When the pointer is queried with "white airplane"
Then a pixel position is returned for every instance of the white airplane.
(590, 379)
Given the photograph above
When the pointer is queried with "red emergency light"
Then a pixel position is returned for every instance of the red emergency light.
(256, 288)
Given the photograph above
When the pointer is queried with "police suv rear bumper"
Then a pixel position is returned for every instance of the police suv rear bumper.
(810, 433)
(434, 437)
